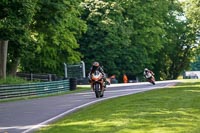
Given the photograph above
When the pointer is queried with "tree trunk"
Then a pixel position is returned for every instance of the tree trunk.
(13, 69)
(3, 58)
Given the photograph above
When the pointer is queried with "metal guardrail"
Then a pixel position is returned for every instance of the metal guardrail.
(33, 89)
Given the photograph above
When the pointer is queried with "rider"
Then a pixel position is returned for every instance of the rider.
(148, 73)
(96, 66)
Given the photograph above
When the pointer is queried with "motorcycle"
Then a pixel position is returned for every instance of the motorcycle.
(97, 84)
(150, 78)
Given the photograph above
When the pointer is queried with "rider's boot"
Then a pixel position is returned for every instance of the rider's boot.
(104, 84)
(91, 86)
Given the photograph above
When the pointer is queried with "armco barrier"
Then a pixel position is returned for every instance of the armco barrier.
(33, 89)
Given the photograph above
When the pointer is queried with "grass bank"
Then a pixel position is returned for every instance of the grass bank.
(171, 110)
(12, 80)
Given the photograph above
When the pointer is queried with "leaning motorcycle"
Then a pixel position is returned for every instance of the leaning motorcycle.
(150, 78)
(97, 83)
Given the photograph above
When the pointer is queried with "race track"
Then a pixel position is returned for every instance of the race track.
(28, 115)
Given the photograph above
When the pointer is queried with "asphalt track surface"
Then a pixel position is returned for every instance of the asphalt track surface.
(29, 115)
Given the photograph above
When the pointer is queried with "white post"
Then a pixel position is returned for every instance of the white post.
(65, 68)
(83, 64)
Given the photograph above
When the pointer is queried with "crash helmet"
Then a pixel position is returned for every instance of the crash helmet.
(146, 69)
(96, 64)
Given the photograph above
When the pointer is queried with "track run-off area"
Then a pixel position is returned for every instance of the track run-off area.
(26, 116)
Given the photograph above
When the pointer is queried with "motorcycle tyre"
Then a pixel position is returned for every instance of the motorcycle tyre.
(153, 82)
(96, 89)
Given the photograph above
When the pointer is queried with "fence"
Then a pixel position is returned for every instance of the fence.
(33, 89)
(37, 77)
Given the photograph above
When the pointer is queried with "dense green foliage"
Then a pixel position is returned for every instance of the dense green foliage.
(15, 19)
(179, 47)
(128, 36)
(195, 65)
(42, 34)
(106, 39)
(124, 36)
(55, 28)
(192, 11)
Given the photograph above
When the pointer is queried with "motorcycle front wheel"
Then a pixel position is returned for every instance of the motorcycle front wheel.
(97, 90)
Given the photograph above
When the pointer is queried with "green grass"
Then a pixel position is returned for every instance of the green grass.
(171, 110)
(13, 80)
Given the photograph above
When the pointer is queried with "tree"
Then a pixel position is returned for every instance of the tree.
(55, 37)
(122, 35)
(192, 11)
(179, 46)
(3, 58)
(145, 22)
(15, 18)
(106, 35)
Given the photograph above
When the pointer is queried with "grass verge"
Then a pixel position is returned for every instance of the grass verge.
(13, 80)
(171, 110)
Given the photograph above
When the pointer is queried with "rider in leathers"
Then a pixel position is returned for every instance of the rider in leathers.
(148, 73)
(96, 66)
